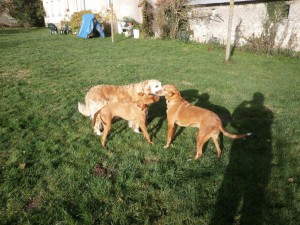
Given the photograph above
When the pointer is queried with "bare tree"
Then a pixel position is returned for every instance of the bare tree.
(170, 17)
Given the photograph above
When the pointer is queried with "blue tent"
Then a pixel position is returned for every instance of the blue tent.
(90, 27)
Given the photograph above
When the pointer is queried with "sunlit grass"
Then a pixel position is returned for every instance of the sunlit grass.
(53, 169)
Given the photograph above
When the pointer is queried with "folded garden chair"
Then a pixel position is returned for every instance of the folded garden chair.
(52, 28)
(65, 30)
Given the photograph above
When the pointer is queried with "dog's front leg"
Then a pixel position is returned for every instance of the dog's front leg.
(171, 133)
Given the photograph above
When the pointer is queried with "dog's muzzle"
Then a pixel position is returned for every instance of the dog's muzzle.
(160, 93)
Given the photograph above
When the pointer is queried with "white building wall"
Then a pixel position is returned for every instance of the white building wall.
(128, 8)
(58, 10)
(96, 5)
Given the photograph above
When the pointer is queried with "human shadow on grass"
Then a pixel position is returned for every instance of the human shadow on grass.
(242, 195)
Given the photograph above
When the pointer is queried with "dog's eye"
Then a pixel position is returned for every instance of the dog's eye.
(156, 86)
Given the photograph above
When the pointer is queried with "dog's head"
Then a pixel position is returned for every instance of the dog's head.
(152, 87)
(170, 91)
(146, 99)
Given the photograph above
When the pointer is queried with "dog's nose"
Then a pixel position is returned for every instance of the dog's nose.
(160, 93)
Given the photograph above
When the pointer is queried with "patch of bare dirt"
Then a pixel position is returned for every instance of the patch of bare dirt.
(100, 170)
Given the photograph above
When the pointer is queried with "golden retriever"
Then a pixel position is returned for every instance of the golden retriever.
(100, 95)
(182, 113)
(131, 111)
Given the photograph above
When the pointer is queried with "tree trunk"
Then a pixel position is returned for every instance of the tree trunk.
(227, 57)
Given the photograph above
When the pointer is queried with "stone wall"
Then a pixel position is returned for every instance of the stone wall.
(211, 23)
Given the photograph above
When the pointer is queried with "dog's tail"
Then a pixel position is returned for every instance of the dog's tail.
(234, 136)
(83, 109)
(95, 117)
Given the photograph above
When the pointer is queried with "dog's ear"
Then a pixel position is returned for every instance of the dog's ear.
(141, 105)
(175, 92)
(171, 93)
(147, 88)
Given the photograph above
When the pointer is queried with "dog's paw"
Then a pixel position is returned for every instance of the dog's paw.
(198, 156)
(166, 146)
(98, 132)
(136, 131)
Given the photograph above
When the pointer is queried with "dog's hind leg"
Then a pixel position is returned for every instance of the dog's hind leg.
(96, 123)
(93, 108)
(144, 130)
(202, 137)
(97, 127)
(136, 127)
(215, 138)
(106, 130)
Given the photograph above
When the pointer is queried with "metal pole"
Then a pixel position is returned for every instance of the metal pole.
(227, 57)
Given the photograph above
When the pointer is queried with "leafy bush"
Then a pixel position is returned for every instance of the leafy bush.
(27, 12)
(129, 19)
(76, 18)
(103, 19)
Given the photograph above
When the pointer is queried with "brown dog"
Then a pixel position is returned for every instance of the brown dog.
(182, 113)
(135, 112)
(100, 95)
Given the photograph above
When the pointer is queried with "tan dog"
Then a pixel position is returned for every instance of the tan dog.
(131, 111)
(182, 113)
(100, 95)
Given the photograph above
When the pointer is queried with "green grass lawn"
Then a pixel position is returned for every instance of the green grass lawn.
(53, 169)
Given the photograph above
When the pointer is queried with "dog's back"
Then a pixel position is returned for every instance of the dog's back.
(125, 110)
